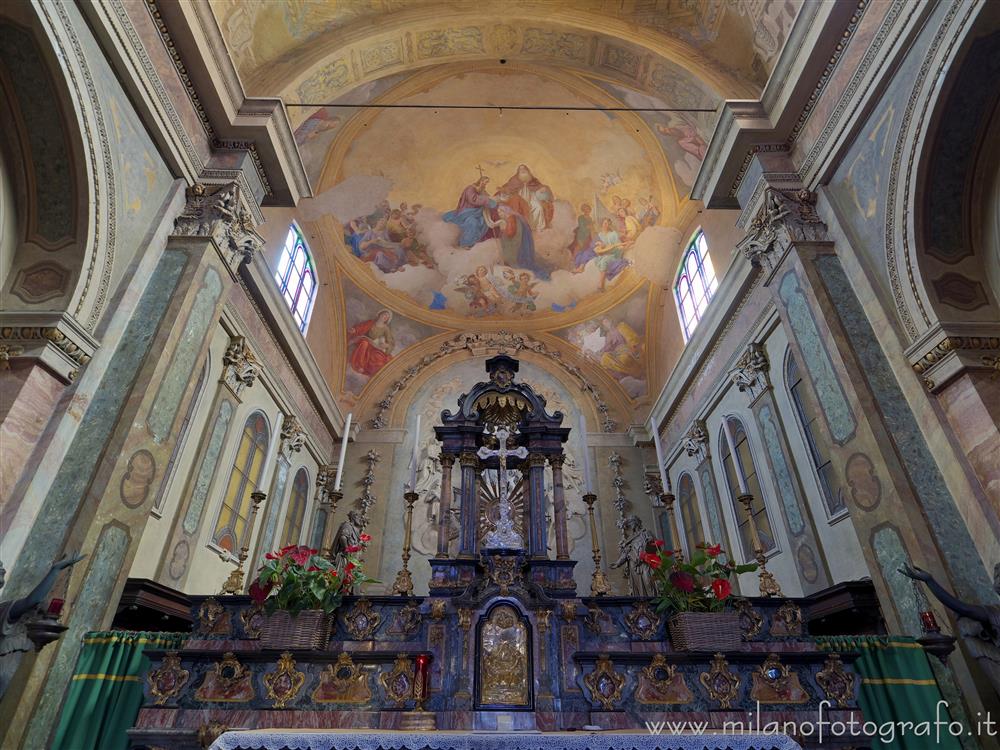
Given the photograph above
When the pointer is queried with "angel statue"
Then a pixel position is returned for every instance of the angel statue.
(17, 615)
(978, 623)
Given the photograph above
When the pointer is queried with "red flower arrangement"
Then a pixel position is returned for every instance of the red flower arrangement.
(297, 577)
(700, 584)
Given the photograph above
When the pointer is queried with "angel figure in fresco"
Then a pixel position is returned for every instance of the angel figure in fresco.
(372, 343)
(521, 289)
(609, 253)
(687, 138)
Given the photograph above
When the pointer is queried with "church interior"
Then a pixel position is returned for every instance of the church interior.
(499, 374)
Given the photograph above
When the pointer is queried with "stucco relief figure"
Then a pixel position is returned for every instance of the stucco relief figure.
(372, 343)
(978, 623)
(637, 540)
(347, 539)
(17, 615)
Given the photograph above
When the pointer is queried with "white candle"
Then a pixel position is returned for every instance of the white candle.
(343, 453)
(664, 481)
(737, 467)
(587, 481)
(413, 458)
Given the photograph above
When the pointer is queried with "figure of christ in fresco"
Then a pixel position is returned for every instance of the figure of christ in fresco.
(475, 214)
(538, 201)
(372, 343)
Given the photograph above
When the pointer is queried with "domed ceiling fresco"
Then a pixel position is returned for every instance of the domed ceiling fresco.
(516, 165)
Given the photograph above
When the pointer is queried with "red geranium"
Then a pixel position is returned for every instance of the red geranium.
(682, 581)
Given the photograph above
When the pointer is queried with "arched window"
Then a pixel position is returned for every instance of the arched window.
(168, 471)
(808, 413)
(695, 285)
(244, 479)
(291, 533)
(758, 507)
(296, 277)
(687, 501)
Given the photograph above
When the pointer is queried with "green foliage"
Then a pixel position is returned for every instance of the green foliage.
(701, 584)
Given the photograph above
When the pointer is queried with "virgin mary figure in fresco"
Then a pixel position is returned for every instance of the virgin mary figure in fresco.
(372, 343)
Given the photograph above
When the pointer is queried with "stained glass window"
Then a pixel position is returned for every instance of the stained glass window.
(758, 508)
(296, 277)
(243, 479)
(695, 285)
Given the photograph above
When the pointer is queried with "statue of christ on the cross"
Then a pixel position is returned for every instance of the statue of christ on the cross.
(503, 536)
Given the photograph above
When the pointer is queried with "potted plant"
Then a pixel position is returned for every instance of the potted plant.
(300, 590)
(697, 592)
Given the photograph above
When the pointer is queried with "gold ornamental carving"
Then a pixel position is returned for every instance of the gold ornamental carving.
(398, 682)
(503, 648)
(212, 618)
(408, 619)
(285, 682)
(751, 621)
(597, 621)
(362, 621)
(642, 622)
(342, 682)
(227, 681)
(604, 683)
(721, 684)
(787, 620)
(774, 682)
(167, 680)
(567, 611)
(660, 682)
(251, 617)
(837, 683)
(438, 609)
(505, 572)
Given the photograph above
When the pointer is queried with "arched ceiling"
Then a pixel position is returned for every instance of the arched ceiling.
(439, 210)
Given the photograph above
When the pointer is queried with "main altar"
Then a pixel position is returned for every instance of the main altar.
(503, 641)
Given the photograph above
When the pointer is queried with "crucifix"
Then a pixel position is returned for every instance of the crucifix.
(503, 536)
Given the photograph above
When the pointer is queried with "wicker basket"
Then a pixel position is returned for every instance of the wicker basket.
(309, 629)
(705, 631)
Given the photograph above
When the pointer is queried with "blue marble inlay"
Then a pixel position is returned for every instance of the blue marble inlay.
(207, 469)
(73, 477)
(89, 607)
(972, 582)
(782, 475)
(179, 375)
(816, 360)
(891, 556)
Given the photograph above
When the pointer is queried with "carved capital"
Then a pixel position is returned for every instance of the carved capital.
(240, 366)
(447, 460)
(293, 437)
(696, 440)
(785, 217)
(947, 351)
(55, 340)
(557, 460)
(218, 212)
(469, 459)
(537, 459)
(751, 372)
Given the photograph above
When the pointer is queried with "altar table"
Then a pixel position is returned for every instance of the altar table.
(271, 739)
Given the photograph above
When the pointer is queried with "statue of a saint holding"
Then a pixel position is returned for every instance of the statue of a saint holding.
(348, 539)
(636, 541)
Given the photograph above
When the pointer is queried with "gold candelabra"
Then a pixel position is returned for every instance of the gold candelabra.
(404, 581)
(329, 503)
(668, 499)
(234, 584)
(599, 585)
(768, 584)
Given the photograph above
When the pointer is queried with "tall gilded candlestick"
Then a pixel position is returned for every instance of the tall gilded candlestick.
(768, 584)
(599, 585)
(668, 499)
(329, 501)
(404, 581)
(234, 584)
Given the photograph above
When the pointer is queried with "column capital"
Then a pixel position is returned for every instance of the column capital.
(447, 459)
(751, 373)
(468, 459)
(785, 216)
(240, 367)
(221, 213)
(293, 437)
(537, 459)
(556, 460)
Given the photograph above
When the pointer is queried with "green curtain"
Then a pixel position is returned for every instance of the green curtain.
(106, 692)
(897, 685)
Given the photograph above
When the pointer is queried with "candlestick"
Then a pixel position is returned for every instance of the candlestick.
(660, 464)
(404, 581)
(413, 458)
(766, 581)
(737, 465)
(234, 584)
(668, 499)
(599, 585)
(343, 452)
(588, 482)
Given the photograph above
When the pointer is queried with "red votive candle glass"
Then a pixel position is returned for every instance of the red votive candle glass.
(929, 622)
(423, 662)
(55, 607)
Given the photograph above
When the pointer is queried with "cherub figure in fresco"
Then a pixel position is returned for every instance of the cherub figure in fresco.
(609, 252)
(521, 289)
(371, 343)
(472, 287)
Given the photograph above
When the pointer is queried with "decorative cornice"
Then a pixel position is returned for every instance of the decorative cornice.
(501, 341)
(57, 341)
(950, 355)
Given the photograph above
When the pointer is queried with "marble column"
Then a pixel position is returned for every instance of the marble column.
(559, 507)
(444, 505)
(538, 528)
(468, 541)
